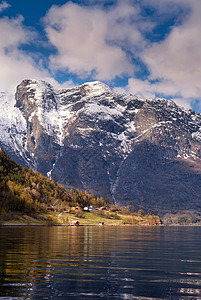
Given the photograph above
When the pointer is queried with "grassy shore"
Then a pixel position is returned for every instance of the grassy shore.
(87, 218)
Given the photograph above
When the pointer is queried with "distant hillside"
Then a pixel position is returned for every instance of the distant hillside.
(27, 191)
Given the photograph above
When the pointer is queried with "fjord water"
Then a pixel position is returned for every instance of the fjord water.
(100, 262)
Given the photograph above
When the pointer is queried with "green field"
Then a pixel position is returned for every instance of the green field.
(88, 218)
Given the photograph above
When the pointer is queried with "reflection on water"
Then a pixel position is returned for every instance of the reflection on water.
(100, 262)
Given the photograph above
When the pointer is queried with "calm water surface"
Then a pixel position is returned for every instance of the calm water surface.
(100, 263)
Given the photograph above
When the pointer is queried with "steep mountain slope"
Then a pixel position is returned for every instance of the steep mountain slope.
(145, 153)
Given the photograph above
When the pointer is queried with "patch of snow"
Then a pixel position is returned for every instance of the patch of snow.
(197, 135)
(131, 126)
(49, 174)
(12, 123)
(31, 116)
(75, 146)
(103, 112)
(186, 156)
(96, 88)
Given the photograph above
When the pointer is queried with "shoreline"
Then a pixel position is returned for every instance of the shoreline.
(81, 225)
(105, 225)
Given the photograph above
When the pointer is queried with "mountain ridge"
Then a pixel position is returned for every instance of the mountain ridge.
(116, 145)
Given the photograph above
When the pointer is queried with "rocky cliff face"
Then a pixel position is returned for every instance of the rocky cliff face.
(143, 153)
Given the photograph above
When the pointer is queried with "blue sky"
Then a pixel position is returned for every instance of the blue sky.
(145, 47)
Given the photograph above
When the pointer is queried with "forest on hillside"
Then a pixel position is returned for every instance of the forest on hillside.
(27, 191)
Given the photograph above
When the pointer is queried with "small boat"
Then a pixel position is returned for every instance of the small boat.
(74, 223)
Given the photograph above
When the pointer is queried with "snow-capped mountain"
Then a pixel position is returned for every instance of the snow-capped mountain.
(138, 152)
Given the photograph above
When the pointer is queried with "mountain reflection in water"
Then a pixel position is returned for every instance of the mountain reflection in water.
(100, 262)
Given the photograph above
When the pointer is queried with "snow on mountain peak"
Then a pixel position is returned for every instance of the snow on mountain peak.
(12, 124)
(95, 88)
(128, 117)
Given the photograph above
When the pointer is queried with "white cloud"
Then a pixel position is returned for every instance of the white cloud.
(13, 33)
(4, 5)
(148, 90)
(140, 88)
(15, 63)
(184, 102)
(93, 41)
(176, 61)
